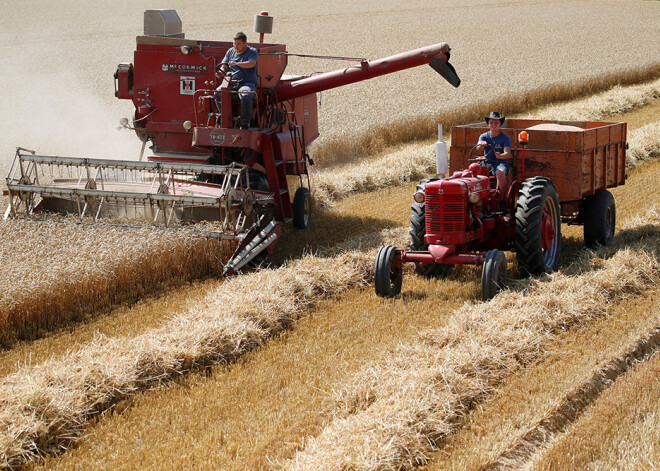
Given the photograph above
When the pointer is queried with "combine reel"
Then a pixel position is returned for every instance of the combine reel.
(168, 194)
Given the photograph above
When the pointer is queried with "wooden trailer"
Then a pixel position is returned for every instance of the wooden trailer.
(581, 157)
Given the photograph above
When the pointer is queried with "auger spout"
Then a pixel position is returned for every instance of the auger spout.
(436, 55)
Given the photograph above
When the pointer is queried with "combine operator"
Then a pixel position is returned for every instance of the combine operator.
(497, 152)
(241, 60)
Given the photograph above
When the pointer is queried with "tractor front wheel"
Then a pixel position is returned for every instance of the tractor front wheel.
(493, 274)
(302, 209)
(388, 275)
(538, 227)
(599, 219)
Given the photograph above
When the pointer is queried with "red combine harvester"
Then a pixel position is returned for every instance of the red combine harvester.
(461, 219)
(203, 166)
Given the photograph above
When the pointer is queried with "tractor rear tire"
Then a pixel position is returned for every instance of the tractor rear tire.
(493, 274)
(538, 227)
(388, 274)
(599, 219)
(417, 233)
(302, 209)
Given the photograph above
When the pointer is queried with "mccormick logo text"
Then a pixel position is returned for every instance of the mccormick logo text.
(184, 68)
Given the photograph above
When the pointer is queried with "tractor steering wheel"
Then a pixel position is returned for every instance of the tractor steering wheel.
(477, 158)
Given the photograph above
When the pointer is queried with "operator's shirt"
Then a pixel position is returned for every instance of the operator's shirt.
(495, 144)
(242, 76)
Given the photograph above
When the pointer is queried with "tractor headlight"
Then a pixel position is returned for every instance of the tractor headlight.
(186, 49)
(187, 125)
(473, 198)
(418, 197)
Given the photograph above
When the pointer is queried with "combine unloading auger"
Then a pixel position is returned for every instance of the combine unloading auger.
(203, 166)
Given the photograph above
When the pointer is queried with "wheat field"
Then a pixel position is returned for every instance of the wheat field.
(121, 438)
(275, 404)
(56, 273)
(175, 401)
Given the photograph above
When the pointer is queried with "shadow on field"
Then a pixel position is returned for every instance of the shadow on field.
(645, 237)
(328, 228)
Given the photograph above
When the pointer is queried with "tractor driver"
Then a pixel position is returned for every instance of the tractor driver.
(241, 60)
(497, 151)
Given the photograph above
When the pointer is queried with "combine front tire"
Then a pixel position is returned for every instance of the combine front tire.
(388, 274)
(417, 233)
(538, 227)
(302, 209)
(599, 219)
(493, 274)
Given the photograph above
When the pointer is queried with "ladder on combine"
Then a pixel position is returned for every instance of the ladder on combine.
(160, 193)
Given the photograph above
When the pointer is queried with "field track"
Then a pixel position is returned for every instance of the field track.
(198, 389)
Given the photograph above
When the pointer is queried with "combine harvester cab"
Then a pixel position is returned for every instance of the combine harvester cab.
(201, 164)
(561, 172)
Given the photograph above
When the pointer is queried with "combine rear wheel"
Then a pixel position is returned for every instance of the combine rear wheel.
(599, 219)
(302, 209)
(538, 227)
(493, 274)
(388, 275)
(417, 233)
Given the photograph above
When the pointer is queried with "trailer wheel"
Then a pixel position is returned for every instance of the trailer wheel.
(302, 209)
(388, 274)
(538, 227)
(493, 274)
(417, 233)
(599, 219)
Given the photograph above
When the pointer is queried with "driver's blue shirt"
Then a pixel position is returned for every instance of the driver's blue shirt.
(495, 144)
(242, 76)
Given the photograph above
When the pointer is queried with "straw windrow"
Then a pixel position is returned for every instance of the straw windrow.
(402, 406)
(43, 408)
(644, 144)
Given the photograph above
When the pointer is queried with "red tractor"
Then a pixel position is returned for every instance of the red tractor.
(461, 219)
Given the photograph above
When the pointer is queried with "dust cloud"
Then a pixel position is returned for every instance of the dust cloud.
(56, 86)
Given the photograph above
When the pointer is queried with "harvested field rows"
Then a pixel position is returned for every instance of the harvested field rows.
(212, 436)
(45, 406)
(622, 430)
(533, 395)
(403, 406)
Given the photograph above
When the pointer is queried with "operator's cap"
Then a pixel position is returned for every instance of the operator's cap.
(442, 46)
